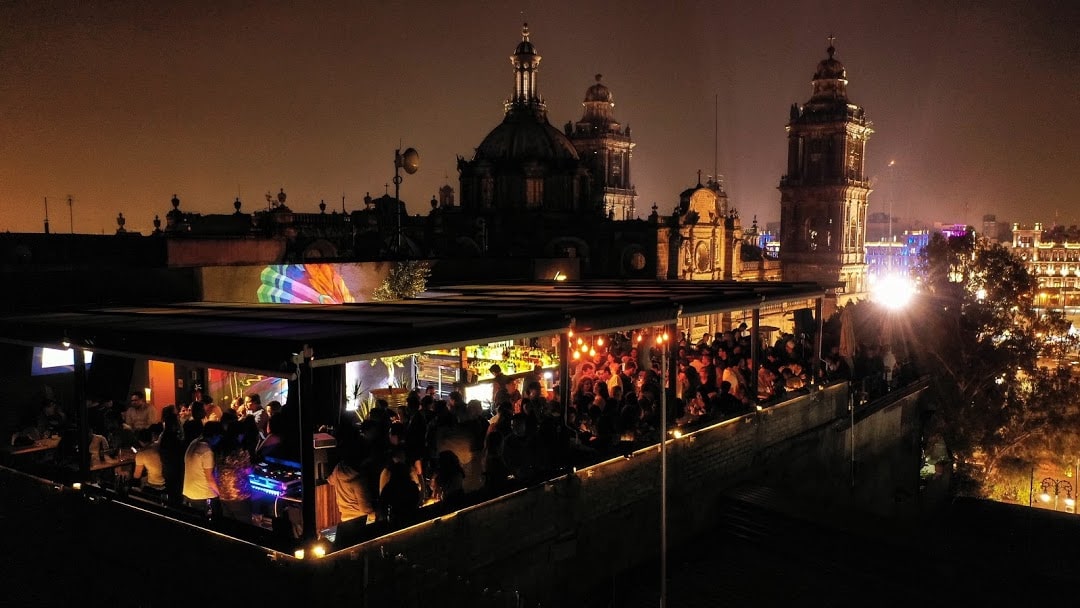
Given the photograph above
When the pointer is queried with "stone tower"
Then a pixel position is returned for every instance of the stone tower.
(823, 197)
(605, 148)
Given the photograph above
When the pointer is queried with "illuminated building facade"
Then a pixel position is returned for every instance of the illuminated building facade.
(824, 195)
(1055, 262)
(897, 257)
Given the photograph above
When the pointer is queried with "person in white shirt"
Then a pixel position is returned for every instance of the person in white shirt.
(200, 485)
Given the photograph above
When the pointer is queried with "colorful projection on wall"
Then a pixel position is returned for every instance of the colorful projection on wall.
(303, 284)
(225, 386)
(314, 283)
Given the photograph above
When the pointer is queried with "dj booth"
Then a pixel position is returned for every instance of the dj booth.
(278, 490)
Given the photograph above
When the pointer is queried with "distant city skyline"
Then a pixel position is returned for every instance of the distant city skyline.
(123, 104)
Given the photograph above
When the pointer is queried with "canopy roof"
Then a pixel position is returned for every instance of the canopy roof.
(266, 338)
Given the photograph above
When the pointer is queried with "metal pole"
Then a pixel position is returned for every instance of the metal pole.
(397, 199)
(564, 376)
(851, 409)
(306, 403)
(663, 456)
(79, 390)
(663, 484)
(819, 309)
(755, 351)
(1031, 488)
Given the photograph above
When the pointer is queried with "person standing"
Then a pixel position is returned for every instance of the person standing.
(200, 486)
(500, 382)
(232, 467)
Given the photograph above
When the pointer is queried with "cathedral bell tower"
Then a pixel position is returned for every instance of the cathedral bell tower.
(605, 148)
(824, 196)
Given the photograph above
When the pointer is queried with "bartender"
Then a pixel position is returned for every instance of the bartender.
(499, 383)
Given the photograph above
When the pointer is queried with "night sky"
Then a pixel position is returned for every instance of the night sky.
(123, 104)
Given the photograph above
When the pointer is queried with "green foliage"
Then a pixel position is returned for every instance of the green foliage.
(406, 279)
(1011, 482)
(982, 341)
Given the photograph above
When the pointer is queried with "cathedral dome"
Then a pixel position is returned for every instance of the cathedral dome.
(830, 82)
(830, 68)
(525, 47)
(524, 136)
(598, 92)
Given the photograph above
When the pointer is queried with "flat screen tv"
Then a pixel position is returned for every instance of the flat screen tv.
(55, 361)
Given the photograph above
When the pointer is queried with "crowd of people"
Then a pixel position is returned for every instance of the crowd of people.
(197, 455)
(435, 450)
(393, 462)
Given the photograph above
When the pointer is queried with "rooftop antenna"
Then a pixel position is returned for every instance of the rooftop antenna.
(716, 136)
(343, 201)
(46, 215)
(71, 212)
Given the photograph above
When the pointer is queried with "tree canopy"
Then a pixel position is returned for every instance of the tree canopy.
(992, 356)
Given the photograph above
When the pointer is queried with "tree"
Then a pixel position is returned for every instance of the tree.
(982, 341)
(406, 280)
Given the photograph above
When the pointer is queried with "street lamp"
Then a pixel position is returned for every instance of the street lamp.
(1059, 487)
(410, 162)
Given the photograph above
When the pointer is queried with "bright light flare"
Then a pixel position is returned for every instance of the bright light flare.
(893, 292)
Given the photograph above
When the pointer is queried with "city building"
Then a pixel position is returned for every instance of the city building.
(898, 256)
(1055, 262)
(824, 195)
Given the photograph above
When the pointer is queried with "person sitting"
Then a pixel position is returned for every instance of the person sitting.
(139, 414)
(51, 420)
(148, 458)
(69, 447)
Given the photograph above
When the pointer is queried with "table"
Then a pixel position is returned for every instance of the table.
(40, 445)
(124, 458)
(34, 454)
